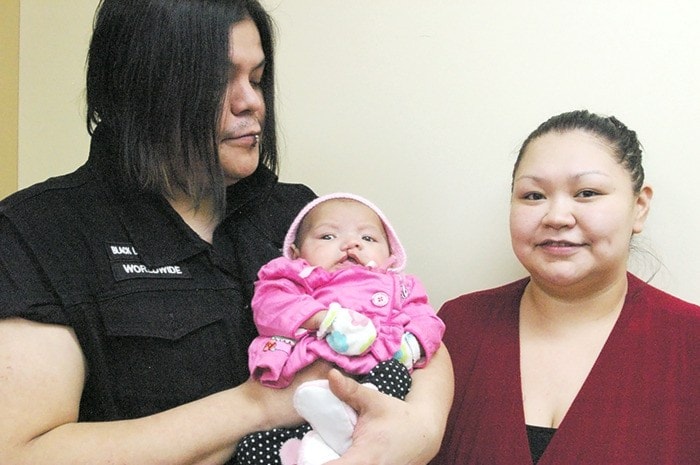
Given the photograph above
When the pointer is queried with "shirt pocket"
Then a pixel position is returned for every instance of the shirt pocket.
(163, 349)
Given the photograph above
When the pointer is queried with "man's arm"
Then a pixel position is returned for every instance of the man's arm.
(42, 372)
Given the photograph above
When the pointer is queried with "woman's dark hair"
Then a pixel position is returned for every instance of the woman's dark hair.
(623, 141)
(156, 78)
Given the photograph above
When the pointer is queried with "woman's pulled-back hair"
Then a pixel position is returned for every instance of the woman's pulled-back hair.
(624, 142)
(156, 78)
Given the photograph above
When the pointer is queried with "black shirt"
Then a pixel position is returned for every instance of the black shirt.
(539, 438)
(162, 317)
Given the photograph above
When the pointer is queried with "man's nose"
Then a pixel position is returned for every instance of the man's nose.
(242, 97)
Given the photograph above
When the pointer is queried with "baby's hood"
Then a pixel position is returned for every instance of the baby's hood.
(397, 250)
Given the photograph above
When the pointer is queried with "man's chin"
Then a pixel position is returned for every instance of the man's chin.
(239, 169)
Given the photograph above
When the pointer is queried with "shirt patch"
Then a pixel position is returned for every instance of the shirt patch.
(276, 343)
(125, 265)
(121, 251)
(130, 270)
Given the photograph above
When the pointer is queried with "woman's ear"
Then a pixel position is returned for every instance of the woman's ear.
(642, 205)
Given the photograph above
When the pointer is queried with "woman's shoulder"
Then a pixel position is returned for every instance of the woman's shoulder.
(485, 295)
(661, 304)
(483, 303)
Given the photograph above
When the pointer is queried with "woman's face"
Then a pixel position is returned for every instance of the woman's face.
(573, 211)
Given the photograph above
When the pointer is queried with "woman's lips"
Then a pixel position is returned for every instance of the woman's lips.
(559, 247)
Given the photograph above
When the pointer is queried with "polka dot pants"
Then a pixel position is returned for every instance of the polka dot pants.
(262, 447)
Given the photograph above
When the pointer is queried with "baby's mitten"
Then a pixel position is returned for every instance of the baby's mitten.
(409, 352)
(331, 418)
(347, 331)
(314, 451)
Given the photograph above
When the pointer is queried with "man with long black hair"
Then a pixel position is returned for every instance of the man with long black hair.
(125, 285)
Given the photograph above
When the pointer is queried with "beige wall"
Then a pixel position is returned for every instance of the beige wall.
(9, 95)
(54, 36)
(421, 106)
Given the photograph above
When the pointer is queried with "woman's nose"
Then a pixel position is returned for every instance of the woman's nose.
(559, 214)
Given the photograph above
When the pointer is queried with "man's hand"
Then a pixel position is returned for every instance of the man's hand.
(388, 430)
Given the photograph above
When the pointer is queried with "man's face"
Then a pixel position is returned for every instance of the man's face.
(243, 111)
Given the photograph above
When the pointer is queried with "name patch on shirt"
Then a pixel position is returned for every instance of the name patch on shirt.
(125, 265)
(121, 251)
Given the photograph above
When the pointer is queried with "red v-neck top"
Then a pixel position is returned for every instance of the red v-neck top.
(639, 405)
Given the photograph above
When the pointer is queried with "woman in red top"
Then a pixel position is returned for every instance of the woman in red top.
(581, 362)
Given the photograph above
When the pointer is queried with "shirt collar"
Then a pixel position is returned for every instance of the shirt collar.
(158, 233)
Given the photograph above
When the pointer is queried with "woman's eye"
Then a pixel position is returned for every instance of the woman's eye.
(533, 196)
(586, 193)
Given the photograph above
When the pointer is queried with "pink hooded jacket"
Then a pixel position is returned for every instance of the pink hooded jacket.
(288, 292)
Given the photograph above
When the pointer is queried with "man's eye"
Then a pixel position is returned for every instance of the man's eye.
(256, 78)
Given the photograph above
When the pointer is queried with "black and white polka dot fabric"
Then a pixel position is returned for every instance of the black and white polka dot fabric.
(390, 377)
(263, 447)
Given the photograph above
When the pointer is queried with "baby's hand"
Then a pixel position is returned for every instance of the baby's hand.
(314, 323)
(347, 331)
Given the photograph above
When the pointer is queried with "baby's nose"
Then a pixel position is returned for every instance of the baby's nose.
(351, 244)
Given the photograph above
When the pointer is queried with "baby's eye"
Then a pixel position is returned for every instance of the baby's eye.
(368, 238)
(326, 237)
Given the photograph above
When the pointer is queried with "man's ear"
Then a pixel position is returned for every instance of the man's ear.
(642, 205)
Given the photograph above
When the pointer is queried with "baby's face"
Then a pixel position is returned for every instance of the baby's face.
(342, 232)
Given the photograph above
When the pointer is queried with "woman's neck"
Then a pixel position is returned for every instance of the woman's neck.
(555, 306)
(562, 333)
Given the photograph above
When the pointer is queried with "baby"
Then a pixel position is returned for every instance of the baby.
(338, 293)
